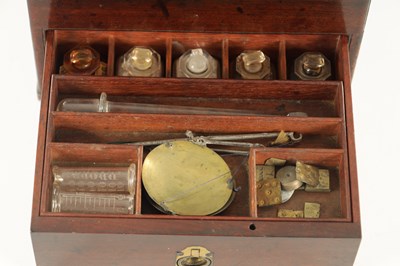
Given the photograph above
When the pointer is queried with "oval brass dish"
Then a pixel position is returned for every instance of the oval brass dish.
(184, 178)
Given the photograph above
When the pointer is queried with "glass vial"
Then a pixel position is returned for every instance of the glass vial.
(85, 202)
(254, 64)
(83, 60)
(196, 63)
(95, 179)
(140, 62)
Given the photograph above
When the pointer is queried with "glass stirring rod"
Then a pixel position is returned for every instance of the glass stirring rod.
(103, 105)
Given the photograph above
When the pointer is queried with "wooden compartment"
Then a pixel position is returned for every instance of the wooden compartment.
(270, 98)
(321, 100)
(87, 155)
(72, 127)
(124, 42)
(242, 234)
(67, 40)
(213, 44)
(240, 205)
(327, 45)
(271, 47)
(335, 205)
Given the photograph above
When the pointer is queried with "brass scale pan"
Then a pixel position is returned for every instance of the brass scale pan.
(184, 178)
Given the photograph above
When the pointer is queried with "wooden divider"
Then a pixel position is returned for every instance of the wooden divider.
(76, 154)
(334, 204)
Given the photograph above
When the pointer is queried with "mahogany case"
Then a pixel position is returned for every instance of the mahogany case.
(243, 234)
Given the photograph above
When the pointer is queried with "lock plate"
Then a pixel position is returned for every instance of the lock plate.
(194, 256)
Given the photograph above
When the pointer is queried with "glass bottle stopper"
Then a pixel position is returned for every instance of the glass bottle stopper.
(81, 58)
(141, 58)
(313, 64)
(197, 62)
(253, 61)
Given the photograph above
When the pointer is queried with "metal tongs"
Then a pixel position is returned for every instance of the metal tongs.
(233, 140)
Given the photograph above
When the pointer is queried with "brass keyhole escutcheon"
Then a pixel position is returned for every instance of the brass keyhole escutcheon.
(192, 261)
(194, 256)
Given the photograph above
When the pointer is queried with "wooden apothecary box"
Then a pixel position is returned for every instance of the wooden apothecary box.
(243, 234)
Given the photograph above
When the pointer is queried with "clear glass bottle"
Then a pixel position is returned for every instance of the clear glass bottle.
(95, 179)
(254, 64)
(312, 66)
(140, 62)
(196, 63)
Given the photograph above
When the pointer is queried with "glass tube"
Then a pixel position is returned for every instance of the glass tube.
(95, 179)
(79, 202)
(103, 105)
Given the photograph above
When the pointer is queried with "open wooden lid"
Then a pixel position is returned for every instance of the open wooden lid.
(345, 17)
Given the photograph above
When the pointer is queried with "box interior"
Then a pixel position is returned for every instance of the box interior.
(79, 138)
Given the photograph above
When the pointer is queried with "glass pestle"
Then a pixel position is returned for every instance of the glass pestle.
(103, 105)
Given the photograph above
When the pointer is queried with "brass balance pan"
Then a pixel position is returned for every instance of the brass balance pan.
(184, 178)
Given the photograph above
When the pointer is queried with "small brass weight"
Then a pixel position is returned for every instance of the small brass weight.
(194, 256)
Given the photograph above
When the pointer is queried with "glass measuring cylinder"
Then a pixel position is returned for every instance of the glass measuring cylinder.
(79, 202)
(95, 179)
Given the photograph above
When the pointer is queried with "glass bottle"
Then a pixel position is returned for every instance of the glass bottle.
(254, 64)
(140, 62)
(83, 60)
(196, 63)
(312, 66)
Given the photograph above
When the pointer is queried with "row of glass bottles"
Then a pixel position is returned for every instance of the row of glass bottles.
(195, 63)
